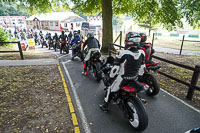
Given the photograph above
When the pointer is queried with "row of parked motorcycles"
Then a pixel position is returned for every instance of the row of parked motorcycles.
(52, 44)
(128, 99)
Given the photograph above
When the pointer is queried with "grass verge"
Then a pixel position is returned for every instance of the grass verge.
(32, 99)
(173, 87)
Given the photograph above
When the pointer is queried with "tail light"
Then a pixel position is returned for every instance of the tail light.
(128, 89)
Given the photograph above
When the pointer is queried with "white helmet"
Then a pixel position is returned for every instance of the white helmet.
(134, 40)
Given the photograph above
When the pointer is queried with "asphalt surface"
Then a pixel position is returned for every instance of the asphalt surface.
(175, 51)
(166, 114)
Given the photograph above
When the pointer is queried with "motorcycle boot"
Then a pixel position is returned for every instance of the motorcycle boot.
(104, 107)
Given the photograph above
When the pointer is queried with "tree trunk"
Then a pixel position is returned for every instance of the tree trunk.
(107, 25)
(149, 32)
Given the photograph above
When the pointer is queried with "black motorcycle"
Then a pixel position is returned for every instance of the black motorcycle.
(56, 44)
(76, 47)
(43, 42)
(94, 64)
(128, 100)
(50, 43)
(150, 79)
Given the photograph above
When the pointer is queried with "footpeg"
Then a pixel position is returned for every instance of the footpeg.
(144, 101)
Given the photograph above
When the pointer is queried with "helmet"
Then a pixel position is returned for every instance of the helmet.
(63, 31)
(79, 31)
(143, 37)
(90, 35)
(134, 40)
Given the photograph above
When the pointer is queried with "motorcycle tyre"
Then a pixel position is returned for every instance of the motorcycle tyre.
(141, 113)
(96, 68)
(155, 85)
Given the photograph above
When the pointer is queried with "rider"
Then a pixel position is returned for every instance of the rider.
(56, 38)
(40, 33)
(147, 47)
(50, 40)
(93, 45)
(80, 35)
(70, 36)
(75, 41)
(63, 38)
(47, 36)
(127, 65)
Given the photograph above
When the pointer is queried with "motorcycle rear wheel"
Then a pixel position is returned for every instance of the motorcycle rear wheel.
(139, 120)
(97, 76)
(154, 86)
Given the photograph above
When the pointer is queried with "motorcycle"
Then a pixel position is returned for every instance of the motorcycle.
(94, 64)
(50, 43)
(56, 45)
(77, 49)
(148, 77)
(128, 100)
(66, 47)
(43, 42)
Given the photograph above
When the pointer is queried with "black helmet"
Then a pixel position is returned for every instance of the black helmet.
(143, 37)
(63, 32)
(79, 31)
(90, 35)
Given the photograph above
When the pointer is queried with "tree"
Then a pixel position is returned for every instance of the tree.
(165, 12)
(190, 9)
(10, 9)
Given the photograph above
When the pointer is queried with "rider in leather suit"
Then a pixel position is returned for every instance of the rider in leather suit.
(93, 45)
(64, 39)
(127, 65)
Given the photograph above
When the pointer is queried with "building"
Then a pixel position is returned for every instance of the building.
(54, 21)
(73, 23)
(11, 21)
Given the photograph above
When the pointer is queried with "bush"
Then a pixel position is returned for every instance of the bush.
(4, 37)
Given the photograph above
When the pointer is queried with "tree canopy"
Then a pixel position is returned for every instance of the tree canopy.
(10, 9)
(168, 13)
(190, 9)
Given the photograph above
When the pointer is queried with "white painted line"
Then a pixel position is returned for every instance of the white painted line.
(182, 101)
(67, 61)
(61, 56)
(78, 103)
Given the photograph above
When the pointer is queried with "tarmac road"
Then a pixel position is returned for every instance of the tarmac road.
(166, 114)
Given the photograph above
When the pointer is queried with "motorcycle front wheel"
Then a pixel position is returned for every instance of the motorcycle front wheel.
(139, 117)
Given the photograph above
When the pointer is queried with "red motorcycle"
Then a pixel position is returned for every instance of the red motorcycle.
(148, 77)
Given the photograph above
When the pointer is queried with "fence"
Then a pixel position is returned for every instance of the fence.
(173, 42)
(19, 46)
(192, 85)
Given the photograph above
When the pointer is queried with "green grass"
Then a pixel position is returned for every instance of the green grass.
(175, 43)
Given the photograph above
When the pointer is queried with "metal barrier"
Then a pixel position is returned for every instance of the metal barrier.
(19, 46)
(192, 85)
